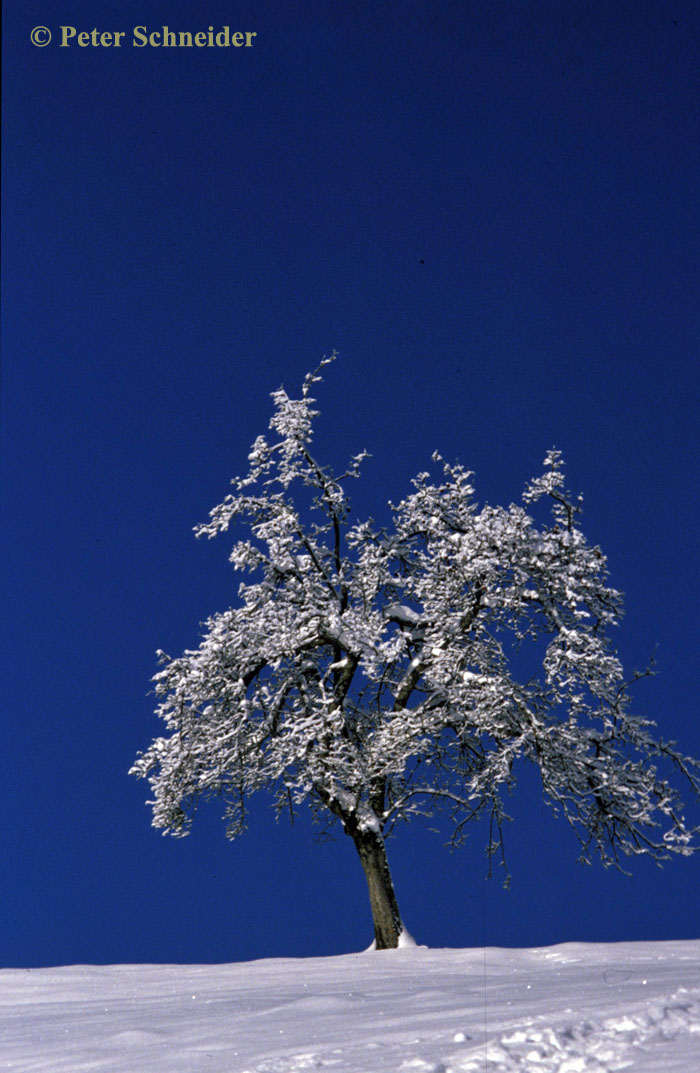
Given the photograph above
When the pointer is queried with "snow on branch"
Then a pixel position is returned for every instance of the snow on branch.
(377, 675)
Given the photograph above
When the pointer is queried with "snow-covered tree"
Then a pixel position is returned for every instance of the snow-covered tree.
(379, 674)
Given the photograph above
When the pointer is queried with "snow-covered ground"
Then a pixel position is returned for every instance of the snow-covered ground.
(570, 1008)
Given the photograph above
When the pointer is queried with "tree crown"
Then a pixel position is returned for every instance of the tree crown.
(377, 673)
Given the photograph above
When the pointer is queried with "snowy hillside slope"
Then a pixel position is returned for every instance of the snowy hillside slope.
(574, 1008)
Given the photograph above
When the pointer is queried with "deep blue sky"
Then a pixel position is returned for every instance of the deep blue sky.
(490, 209)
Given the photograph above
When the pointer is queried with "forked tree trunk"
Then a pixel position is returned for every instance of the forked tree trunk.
(382, 898)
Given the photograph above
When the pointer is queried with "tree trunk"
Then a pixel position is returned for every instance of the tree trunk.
(382, 899)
